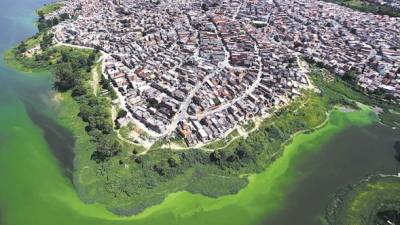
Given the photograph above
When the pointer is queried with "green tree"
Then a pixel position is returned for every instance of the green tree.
(350, 75)
(121, 113)
(217, 156)
(79, 90)
(64, 16)
(107, 146)
(65, 78)
(47, 41)
(22, 47)
(85, 112)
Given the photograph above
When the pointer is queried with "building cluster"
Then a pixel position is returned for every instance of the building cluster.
(347, 42)
(200, 68)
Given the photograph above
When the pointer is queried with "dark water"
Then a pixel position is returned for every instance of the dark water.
(32, 89)
(388, 215)
(59, 139)
(345, 159)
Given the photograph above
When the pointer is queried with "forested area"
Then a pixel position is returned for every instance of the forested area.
(73, 73)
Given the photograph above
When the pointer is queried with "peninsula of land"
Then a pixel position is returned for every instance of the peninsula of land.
(197, 96)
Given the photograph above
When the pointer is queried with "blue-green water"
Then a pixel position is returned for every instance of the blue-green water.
(35, 160)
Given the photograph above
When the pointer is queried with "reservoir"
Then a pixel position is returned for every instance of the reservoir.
(36, 160)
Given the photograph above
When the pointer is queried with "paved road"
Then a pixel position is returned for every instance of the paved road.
(241, 97)
(182, 113)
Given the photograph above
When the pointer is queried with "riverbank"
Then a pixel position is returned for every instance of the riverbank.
(106, 175)
(29, 55)
(12, 59)
(113, 172)
(388, 112)
(55, 201)
(35, 191)
(213, 174)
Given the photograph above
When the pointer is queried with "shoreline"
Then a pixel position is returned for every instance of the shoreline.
(148, 144)
(43, 195)
(11, 61)
(62, 99)
(182, 180)
(275, 155)
(291, 147)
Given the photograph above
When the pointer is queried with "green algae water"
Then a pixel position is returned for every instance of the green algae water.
(36, 161)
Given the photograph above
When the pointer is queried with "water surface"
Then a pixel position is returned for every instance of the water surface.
(36, 161)
(346, 158)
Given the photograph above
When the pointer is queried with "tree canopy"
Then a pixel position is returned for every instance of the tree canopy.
(65, 78)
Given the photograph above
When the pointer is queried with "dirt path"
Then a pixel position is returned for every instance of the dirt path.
(96, 76)
(95, 80)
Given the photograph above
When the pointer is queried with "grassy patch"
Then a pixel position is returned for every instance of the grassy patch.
(125, 131)
(44, 61)
(49, 8)
(85, 178)
(249, 125)
(221, 143)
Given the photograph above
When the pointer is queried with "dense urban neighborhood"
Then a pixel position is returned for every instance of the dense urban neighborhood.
(199, 69)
